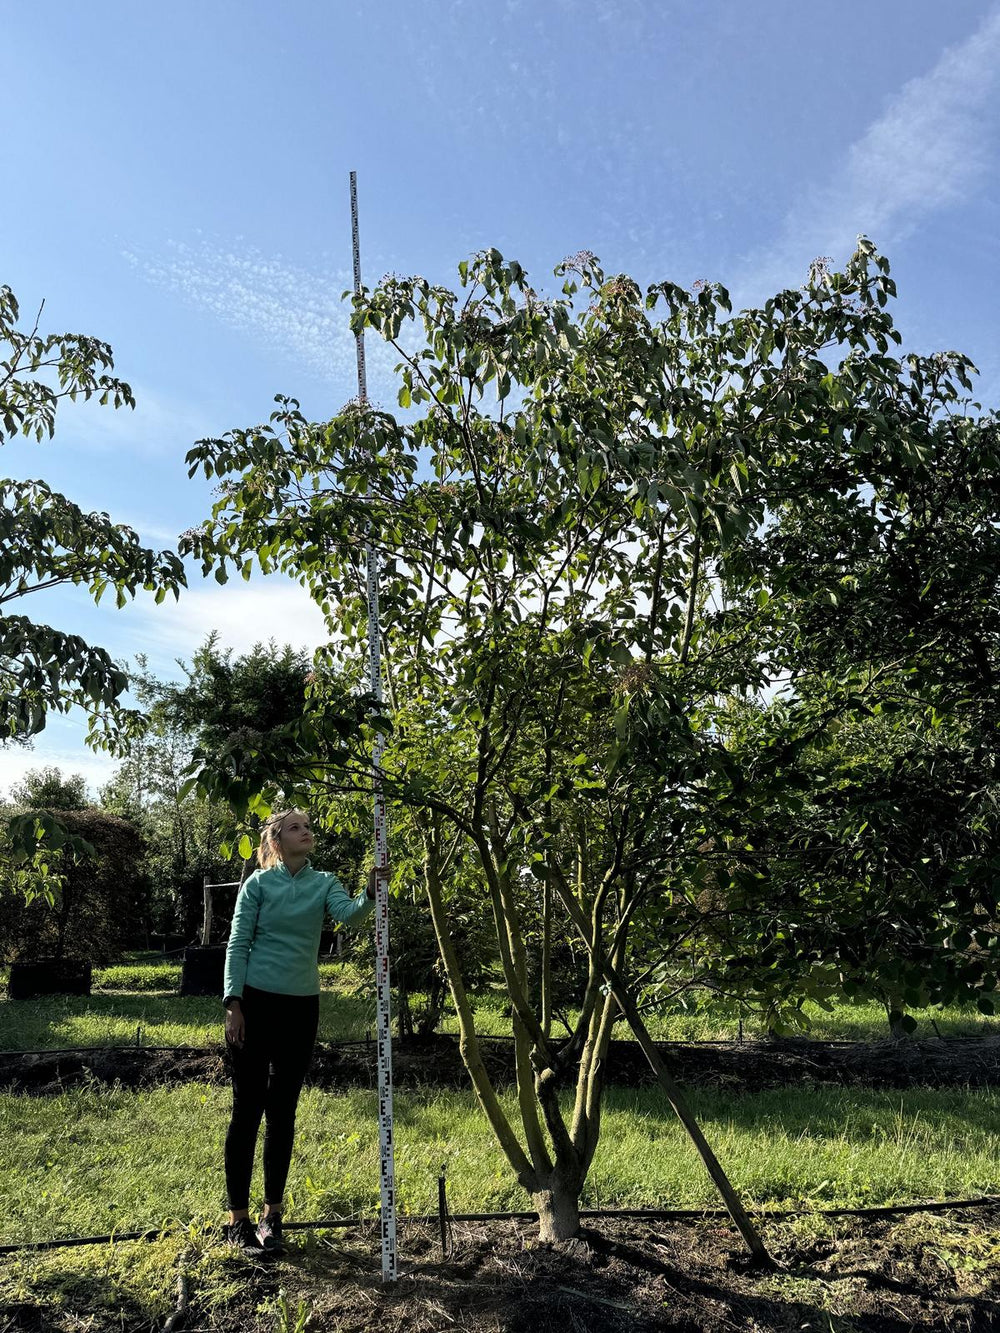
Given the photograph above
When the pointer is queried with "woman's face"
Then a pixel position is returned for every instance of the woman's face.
(296, 835)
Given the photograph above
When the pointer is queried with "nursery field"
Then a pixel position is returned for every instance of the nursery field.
(92, 1160)
(86, 1162)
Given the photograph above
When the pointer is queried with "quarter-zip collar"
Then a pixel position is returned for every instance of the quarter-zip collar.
(306, 865)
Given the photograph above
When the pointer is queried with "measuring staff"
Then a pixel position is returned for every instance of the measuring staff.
(387, 1156)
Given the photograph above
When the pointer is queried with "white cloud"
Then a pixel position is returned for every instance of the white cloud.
(97, 769)
(294, 310)
(930, 148)
(242, 614)
(151, 532)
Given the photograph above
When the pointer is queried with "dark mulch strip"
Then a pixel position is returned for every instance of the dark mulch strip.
(626, 1277)
(435, 1061)
(862, 1276)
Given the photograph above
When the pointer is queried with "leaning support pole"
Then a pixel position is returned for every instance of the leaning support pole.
(713, 1166)
(383, 1030)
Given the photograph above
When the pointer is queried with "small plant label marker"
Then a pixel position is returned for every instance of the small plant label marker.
(383, 1030)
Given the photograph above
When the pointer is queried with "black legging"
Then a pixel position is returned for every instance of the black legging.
(267, 1078)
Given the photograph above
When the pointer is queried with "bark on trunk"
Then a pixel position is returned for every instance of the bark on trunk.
(558, 1213)
(468, 1038)
(206, 914)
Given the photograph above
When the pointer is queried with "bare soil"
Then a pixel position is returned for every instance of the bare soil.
(434, 1061)
(937, 1273)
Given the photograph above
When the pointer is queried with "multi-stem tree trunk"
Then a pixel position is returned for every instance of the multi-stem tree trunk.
(550, 1157)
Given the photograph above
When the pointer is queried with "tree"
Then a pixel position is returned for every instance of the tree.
(865, 869)
(258, 691)
(47, 789)
(97, 904)
(188, 839)
(596, 536)
(181, 834)
(46, 541)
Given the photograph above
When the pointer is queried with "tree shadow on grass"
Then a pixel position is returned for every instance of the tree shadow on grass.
(820, 1111)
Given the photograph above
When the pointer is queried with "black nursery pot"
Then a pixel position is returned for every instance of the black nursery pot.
(203, 969)
(49, 976)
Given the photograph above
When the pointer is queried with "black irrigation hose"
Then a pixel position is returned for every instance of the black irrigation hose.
(111, 1050)
(370, 1041)
(653, 1214)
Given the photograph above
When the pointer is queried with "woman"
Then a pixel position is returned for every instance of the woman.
(272, 1011)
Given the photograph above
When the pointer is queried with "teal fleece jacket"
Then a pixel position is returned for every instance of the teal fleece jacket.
(274, 938)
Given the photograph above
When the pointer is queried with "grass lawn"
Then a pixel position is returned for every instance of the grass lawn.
(91, 1160)
(94, 1160)
(144, 995)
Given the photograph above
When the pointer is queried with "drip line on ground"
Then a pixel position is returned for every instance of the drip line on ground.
(638, 1214)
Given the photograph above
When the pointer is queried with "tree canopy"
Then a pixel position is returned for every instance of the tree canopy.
(47, 789)
(645, 560)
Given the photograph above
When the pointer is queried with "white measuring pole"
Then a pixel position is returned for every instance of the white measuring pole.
(383, 1030)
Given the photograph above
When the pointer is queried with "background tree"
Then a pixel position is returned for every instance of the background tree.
(47, 541)
(181, 833)
(864, 871)
(98, 902)
(47, 789)
(259, 691)
(189, 840)
(223, 700)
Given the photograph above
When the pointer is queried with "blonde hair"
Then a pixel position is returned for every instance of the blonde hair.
(269, 852)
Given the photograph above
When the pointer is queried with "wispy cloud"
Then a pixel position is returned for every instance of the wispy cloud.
(152, 532)
(157, 425)
(285, 307)
(931, 147)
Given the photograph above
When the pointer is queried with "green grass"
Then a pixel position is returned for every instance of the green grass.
(144, 994)
(57, 1021)
(156, 976)
(709, 1020)
(164, 974)
(92, 1160)
(119, 1286)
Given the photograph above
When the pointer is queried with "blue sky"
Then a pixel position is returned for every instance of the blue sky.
(177, 183)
